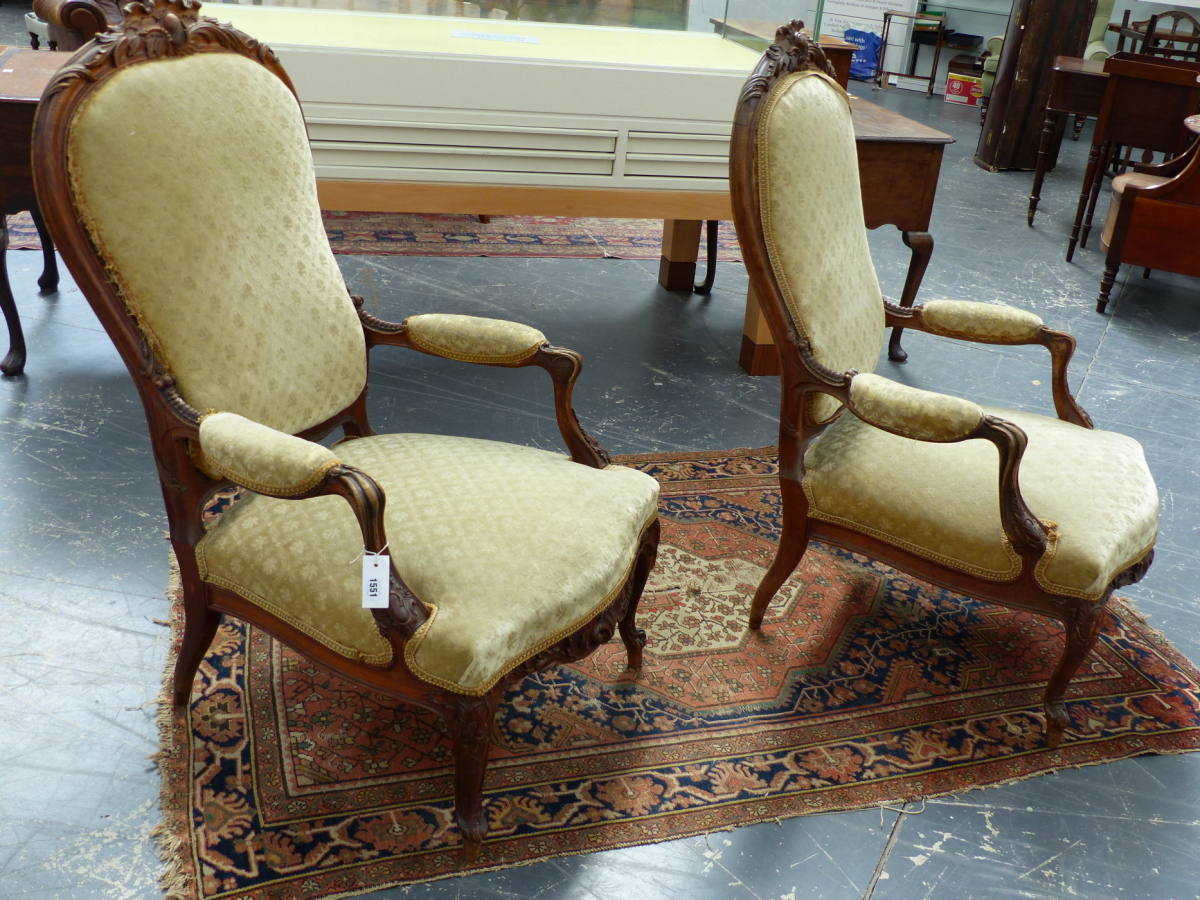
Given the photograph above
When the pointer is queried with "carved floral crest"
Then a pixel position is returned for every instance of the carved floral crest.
(792, 51)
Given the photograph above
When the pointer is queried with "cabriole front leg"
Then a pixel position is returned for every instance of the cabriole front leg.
(1082, 620)
(470, 720)
(48, 280)
(14, 361)
(633, 637)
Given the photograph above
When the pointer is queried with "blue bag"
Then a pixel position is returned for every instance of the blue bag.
(866, 57)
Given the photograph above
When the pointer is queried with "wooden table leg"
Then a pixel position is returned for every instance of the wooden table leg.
(1097, 151)
(921, 244)
(1043, 159)
(758, 355)
(680, 248)
(48, 280)
(14, 362)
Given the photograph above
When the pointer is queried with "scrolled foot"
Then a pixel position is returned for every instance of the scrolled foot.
(1057, 721)
(472, 843)
(634, 639)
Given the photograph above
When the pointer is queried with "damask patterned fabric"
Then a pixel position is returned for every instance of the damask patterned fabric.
(195, 179)
(942, 500)
(261, 458)
(813, 224)
(472, 339)
(904, 410)
(991, 322)
(514, 548)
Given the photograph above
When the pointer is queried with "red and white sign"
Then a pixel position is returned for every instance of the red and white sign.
(965, 89)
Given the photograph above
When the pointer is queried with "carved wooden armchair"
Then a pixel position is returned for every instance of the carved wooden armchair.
(174, 169)
(1153, 220)
(72, 23)
(1050, 517)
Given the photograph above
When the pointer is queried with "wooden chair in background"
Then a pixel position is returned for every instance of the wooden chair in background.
(1146, 100)
(1153, 220)
(72, 23)
(903, 475)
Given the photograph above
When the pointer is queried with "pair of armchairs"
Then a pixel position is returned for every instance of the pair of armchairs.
(218, 288)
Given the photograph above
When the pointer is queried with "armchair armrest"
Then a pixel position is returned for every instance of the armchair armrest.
(995, 323)
(281, 465)
(911, 412)
(494, 342)
(939, 418)
(472, 339)
(991, 323)
(260, 458)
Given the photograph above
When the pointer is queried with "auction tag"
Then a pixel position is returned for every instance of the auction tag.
(375, 580)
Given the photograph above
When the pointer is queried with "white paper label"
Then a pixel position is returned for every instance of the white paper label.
(489, 36)
(375, 581)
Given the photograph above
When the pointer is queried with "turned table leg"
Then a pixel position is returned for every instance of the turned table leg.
(1043, 163)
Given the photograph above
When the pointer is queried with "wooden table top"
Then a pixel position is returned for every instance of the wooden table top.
(874, 123)
(1075, 65)
(761, 28)
(24, 73)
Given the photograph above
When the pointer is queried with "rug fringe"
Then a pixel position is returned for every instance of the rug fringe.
(175, 880)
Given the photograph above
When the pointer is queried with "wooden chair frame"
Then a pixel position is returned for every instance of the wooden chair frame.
(802, 374)
(172, 28)
(1162, 216)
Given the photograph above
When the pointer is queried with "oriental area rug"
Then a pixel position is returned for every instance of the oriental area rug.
(865, 687)
(391, 234)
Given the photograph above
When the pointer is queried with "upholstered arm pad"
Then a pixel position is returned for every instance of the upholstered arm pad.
(260, 458)
(912, 413)
(991, 323)
(472, 339)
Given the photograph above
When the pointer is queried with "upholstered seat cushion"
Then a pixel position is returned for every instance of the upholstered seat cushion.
(941, 501)
(1138, 180)
(514, 547)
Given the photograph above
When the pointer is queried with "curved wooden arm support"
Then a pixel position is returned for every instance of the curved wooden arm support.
(562, 365)
(1022, 528)
(1060, 344)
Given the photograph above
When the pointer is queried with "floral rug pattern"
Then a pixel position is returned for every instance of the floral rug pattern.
(864, 687)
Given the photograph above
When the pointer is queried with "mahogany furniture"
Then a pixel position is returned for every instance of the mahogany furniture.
(72, 23)
(1146, 100)
(1076, 89)
(903, 475)
(174, 170)
(1174, 33)
(1153, 220)
(23, 75)
(1038, 32)
(899, 160)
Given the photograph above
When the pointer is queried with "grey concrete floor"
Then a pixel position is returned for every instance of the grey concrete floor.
(83, 561)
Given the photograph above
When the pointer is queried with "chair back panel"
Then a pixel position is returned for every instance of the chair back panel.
(194, 179)
(812, 220)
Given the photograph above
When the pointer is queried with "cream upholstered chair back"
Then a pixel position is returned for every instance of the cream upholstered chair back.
(219, 253)
(811, 209)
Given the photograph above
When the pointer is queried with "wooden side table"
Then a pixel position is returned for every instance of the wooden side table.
(1076, 88)
(23, 76)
